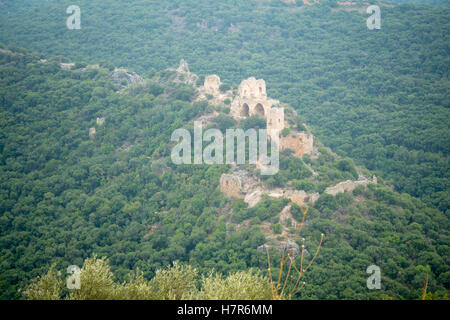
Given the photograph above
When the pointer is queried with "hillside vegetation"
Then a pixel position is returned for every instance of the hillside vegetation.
(66, 196)
(380, 97)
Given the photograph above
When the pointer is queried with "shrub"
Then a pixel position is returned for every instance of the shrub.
(276, 228)
(243, 285)
(285, 131)
(224, 87)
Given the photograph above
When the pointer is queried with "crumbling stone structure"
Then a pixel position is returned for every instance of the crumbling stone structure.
(300, 142)
(92, 132)
(252, 100)
(275, 120)
(242, 185)
(349, 186)
(212, 84)
(237, 184)
(230, 186)
(67, 66)
(300, 197)
(100, 121)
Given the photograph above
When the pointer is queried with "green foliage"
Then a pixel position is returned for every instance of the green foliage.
(380, 98)
(46, 287)
(254, 122)
(243, 285)
(177, 282)
(347, 165)
(224, 122)
(97, 281)
(224, 87)
(306, 185)
(285, 131)
(277, 228)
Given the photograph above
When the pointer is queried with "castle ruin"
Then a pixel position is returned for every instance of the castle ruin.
(252, 100)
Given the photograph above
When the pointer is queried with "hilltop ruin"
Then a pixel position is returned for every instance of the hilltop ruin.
(251, 99)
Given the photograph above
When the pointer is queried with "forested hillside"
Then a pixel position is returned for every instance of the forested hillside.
(66, 195)
(85, 164)
(378, 96)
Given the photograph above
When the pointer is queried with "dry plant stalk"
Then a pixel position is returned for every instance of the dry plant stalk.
(278, 291)
(425, 286)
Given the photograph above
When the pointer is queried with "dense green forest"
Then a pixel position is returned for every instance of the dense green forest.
(378, 98)
(66, 196)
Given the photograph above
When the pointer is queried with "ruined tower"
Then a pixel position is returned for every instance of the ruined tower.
(252, 99)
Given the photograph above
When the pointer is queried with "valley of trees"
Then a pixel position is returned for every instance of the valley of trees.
(378, 98)
(66, 197)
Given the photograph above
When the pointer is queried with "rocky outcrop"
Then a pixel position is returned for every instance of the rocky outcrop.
(184, 75)
(231, 186)
(122, 78)
(286, 215)
(242, 185)
(238, 184)
(253, 198)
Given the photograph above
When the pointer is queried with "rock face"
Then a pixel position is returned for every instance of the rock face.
(253, 198)
(122, 78)
(300, 142)
(238, 184)
(230, 186)
(291, 247)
